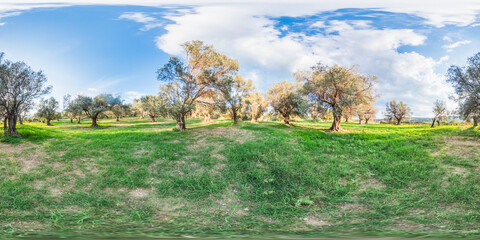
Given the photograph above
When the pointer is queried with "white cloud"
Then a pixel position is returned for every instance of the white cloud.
(438, 13)
(139, 17)
(267, 56)
(450, 47)
(134, 95)
(447, 38)
(2, 23)
(92, 90)
(318, 24)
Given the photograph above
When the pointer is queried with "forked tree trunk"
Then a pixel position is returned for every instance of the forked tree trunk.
(336, 123)
(12, 125)
(181, 122)
(94, 122)
(366, 120)
(286, 119)
(152, 118)
(48, 122)
(399, 120)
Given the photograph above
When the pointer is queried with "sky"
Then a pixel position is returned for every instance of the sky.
(115, 46)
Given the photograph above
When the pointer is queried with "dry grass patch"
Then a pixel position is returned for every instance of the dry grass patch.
(27, 155)
(139, 193)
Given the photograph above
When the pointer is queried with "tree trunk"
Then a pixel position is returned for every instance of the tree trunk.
(286, 119)
(254, 118)
(12, 125)
(20, 119)
(438, 122)
(366, 120)
(336, 123)
(118, 118)
(475, 121)
(71, 120)
(48, 122)
(5, 124)
(152, 118)
(206, 118)
(399, 120)
(346, 119)
(79, 118)
(235, 117)
(181, 122)
(360, 121)
(94, 122)
(433, 123)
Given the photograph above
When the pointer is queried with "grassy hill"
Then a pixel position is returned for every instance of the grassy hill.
(137, 176)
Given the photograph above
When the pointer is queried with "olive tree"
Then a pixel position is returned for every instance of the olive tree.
(285, 99)
(340, 88)
(440, 112)
(48, 110)
(257, 105)
(466, 81)
(234, 90)
(397, 111)
(153, 106)
(188, 79)
(93, 107)
(365, 112)
(19, 85)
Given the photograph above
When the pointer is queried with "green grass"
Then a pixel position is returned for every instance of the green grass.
(252, 178)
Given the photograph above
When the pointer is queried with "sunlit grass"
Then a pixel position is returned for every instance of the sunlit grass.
(217, 177)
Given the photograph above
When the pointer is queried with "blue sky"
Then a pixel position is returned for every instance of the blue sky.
(116, 47)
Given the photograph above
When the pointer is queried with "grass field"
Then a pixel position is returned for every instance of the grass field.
(254, 178)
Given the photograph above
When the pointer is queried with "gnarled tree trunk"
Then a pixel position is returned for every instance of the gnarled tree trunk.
(336, 123)
(181, 122)
(48, 122)
(286, 119)
(12, 125)
(152, 118)
(366, 120)
(94, 122)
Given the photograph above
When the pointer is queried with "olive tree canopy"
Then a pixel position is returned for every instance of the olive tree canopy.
(339, 87)
(397, 111)
(188, 79)
(19, 85)
(466, 81)
(99, 104)
(48, 110)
